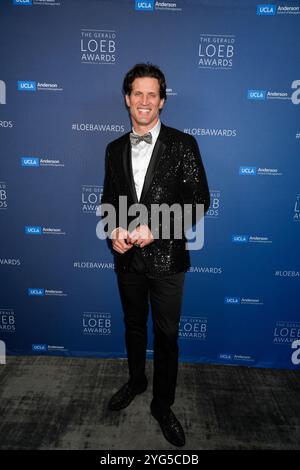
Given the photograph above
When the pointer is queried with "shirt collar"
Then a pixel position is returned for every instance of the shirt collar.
(154, 131)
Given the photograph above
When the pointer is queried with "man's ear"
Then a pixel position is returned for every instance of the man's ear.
(161, 104)
(127, 99)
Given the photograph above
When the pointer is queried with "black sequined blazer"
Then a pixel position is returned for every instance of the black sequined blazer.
(175, 175)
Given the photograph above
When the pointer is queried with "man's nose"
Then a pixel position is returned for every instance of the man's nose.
(145, 100)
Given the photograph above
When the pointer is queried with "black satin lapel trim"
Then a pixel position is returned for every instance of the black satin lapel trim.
(155, 157)
(128, 171)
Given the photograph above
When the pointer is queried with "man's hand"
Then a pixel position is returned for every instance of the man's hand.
(141, 236)
(119, 238)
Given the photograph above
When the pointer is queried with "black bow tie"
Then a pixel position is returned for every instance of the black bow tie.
(136, 139)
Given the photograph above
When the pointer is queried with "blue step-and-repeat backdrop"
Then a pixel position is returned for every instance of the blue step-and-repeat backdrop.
(233, 75)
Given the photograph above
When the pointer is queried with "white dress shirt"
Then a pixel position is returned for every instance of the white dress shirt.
(140, 158)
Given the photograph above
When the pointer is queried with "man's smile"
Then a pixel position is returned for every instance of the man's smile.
(144, 110)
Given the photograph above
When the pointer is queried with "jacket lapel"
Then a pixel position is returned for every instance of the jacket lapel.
(127, 166)
(158, 150)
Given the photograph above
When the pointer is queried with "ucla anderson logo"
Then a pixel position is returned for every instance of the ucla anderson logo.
(144, 5)
(26, 86)
(256, 95)
(33, 230)
(36, 291)
(266, 9)
(30, 161)
(240, 238)
(39, 347)
(247, 171)
(226, 356)
(22, 2)
(232, 300)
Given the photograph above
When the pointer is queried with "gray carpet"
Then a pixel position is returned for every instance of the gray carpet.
(61, 403)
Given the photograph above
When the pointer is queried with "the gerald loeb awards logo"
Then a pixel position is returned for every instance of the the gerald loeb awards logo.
(216, 51)
(96, 323)
(98, 46)
(90, 198)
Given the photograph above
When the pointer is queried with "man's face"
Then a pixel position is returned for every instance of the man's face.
(144, 103)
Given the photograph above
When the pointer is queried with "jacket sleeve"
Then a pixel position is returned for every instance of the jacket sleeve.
(194, 182)
(109, 195)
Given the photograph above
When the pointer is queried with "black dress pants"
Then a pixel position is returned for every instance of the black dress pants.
(138, 289)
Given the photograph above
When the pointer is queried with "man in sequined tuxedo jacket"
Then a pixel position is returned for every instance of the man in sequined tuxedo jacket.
(154, 164)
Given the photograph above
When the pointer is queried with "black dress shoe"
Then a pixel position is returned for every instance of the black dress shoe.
(124, 397)
(170, 426)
